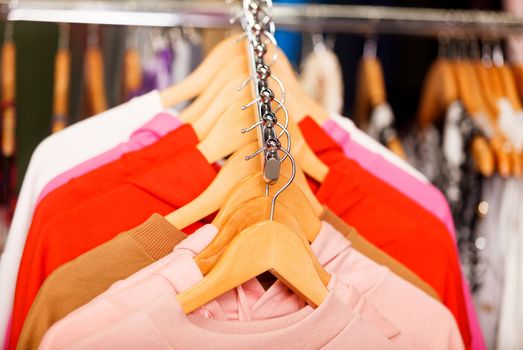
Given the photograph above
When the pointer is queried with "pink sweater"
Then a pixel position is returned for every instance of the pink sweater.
(424, 194)
(335, 324)
(407, 317)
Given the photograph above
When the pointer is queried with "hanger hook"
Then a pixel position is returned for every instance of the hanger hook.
(287, 184)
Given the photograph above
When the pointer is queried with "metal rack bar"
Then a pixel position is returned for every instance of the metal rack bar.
(325, 18)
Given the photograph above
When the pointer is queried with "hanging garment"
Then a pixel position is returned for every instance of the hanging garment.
(81, 280)
(181, 66)
(343, 327)
(126, 206)
(511, 307)
(56, 154)
(462, 184)
(492, 233)
(147, 134)
(321, 77)
(434, 233)
(183, 273)
(376, 284)
(372, 145)
(441, 158)
(421, 191)
(381, 124)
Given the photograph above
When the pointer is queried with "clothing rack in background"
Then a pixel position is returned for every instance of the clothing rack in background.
(313, 18)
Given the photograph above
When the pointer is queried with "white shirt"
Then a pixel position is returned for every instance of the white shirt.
(55, 155)
(511, 307)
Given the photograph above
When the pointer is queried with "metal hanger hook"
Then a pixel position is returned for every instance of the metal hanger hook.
(287, 184)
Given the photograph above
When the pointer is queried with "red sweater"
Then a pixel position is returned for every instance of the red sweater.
(93, 208)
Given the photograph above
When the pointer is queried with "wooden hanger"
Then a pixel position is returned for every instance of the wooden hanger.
(370, 93)
(284, 71)
(438, 92)
(132, 73)
(446, 82)
(370, 90)
(224, 137)
(200, 78)
(256, 210)
(296, 99)
(486, 88)
(227, 51)
(226, 79)
(227, 97)
(254, 187)
(62, 68)
(94, 67)
(482, 153)
(265, 246)
(210, 200)
(510, 92)
(292, 200)
(514, 158)
(509, 87)
(517, 71)
(232, 173)
(8, 77)
(480, 78)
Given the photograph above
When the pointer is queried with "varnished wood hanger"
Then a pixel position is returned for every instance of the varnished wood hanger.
(508, 86)
(370, 89)
(472, 99)
(292, 200)
(226, 80)
(227, 96)
(132, 72)
(370, 93)
(232, 173)
(62, 68)
(94, 68)
(224, 136)
(200, 78)
(510, 93)
(256, 210)
(265, 246)
(438, 92)
(445, 83)
(8, 94)
(517, 71)
(228, 51)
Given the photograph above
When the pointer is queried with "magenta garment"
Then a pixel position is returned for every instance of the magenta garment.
(393, 308)
(148, 134)
(428, 196)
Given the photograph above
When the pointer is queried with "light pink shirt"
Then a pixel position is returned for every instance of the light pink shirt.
(146, 135)
(407, 317)
(335, 324)
(428, 196)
